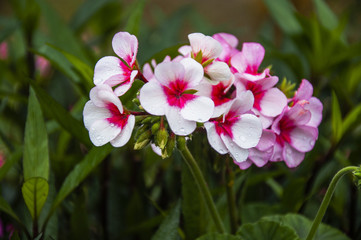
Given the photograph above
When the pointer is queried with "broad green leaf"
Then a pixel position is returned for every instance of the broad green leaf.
(302, 225)
(57, 112)
(13, 159)
(253, 212)
(284, 14)
(80, 172)
(325, 15)
(133, 23)
(219, 236)
(336, 118)
(293, 194)
(35, 191)
(351, 119)
(5, 207)
(266, 230)
(36, 153)
(169, 227)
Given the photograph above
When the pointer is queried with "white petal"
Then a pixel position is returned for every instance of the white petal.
(167, 72)
(101, 132)
(210, 47)
(102, 95)
(125, 133)
(291, 156)
(243, 103)
(214, 139)
(315, 107)
(123, 88)
(185, 50)
(177, 123)
(238, 154)
(247, 131)
(218, 71)
(125, 46)
(199, 109)
(303, 138)
(273, 102)
(92, 113)
(193, 71)
(106, 68)
(221, 109)
(153, 99)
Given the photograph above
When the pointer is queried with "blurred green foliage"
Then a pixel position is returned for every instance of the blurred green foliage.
(106, 193)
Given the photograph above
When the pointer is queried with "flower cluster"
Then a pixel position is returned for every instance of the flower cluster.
(211, 85)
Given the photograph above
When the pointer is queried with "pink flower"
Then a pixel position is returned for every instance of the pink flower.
(236, 131)
(106, 119)
(172, 94)
(229, 44)
(206, 49)
(114, 71)
(42, 66)
(294, 137)
(2, 159)
(3, 50)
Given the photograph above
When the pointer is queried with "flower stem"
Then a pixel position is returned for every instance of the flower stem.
(202, 185)
(326, 200)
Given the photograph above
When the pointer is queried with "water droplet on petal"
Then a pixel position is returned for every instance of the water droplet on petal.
(312, 142)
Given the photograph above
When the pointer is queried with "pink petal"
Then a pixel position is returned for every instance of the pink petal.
(210, 47)
(193, 71)
(167, 72)
(199, 109)
(267, 82)
(124, 87)
(291, 156)
(260, 158)
(177, 123)
(242, 103)
(298, 114)
(101, 132)
(92, 113)
(315, 107)
(102, 95)
(239, 62)
(247, 131)
(214, 139)
(125, 46)
(125, 133)
(109, 67)
(303, 138)
(267, 140)
(152, 98)
(226, 38)
(244, 165)
(254, 54)
(304, 92)
(237, 153)
(148, 72)
(272, 102)
(218, 72)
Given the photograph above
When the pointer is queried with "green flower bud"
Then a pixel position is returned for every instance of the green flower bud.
(287, 88)
(155, 127)
(161, 138)
(136, 101)
(143, 140)
(168, 150)
(140, 131)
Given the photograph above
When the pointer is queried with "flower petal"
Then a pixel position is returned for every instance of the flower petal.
(185, 50)
(167, 72)
(214, 139)
(267, 140)
(101, 132)
(102, 95)
(193, 71)
(210, 47)
(218, 71)
(304, 92)
(260, 158)
(237, 153)
(124, 87)
(125, 46)
(177, 123)
(244, 165)
(226, 38)
(272, 102)
(303, 138)
(247, 131)
(152, 98)
(109, 67)
(199, 109)
(125, 133)
(92, 113)
(291, 156)
(315, 107)
(243, 103)
(254, 54)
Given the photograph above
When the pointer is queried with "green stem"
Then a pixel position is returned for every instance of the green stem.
(230, 197)
(202, 185)
(327, 199)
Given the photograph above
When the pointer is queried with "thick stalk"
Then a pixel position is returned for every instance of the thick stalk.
(202, 185)
(326, 200)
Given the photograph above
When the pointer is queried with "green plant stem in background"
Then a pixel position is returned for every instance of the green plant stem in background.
(327, 199)
(230, 196)
(202, 185)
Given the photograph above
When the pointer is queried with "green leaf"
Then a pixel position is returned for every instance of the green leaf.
(351, 119)
(325, 15)
(5, 207)
(169, 227)
(336, 118)
(55, 111)
(133, 23)
(253, 212)
(266, 230)
(219, 236)
(293, 194)
(80, 172)
(302, 225)
(36, 155)
(283, 13)
(13, 159)
(35, 191)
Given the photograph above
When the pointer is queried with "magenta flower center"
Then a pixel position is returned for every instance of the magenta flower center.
(258, 94)
(176, 95)
(286, 125)
(225, 127)
(218, 95)
(117, 118)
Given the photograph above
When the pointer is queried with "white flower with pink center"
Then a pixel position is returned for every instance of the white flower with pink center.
(237, 130)
(229, 43)
(105, 118)
(294, 137)
(172, 94)
(115, 72)
(205, 50)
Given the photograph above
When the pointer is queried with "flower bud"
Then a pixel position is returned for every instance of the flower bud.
(155, 127)
(143, 140)
(161, 138)
(168, 150)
